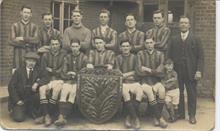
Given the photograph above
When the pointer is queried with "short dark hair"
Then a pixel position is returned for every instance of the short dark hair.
(78, 11)
(131, 14)
(56, 38)
(26, 6)
(105, 11)
(159, 11)
(98, 37)
(47, 13)
(75, 41)
(123, 41)
(149, 38)
(168, 62)
(184, 16)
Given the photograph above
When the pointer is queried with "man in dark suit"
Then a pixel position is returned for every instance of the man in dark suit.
(22, 88)
(186, 51)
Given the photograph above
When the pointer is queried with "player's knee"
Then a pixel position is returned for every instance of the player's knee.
(72, 92)
(56, 90)
(161, 90)
(148, 92)
(139, 94)
(167, 102)
(42, 89)
(126, 96)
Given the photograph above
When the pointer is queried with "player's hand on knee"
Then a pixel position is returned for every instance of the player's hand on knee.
(90, 66)
(20, 102)
(34, 87)
(109, 67)
(71, 73)
(198, 75)
(49, 69)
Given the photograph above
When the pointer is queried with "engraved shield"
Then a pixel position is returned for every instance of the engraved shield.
(99, 93)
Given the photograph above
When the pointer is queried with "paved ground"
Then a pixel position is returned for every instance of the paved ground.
(205, 118)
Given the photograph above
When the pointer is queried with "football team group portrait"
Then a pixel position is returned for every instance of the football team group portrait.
(99, 72)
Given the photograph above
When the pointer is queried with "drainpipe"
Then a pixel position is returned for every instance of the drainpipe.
(140, 11)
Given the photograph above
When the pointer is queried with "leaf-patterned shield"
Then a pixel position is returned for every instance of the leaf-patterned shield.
(99, 93)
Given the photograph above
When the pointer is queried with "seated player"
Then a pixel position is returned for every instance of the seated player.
(100, 56)
(23, 86)
(172, 91)
(150, 69)
(73, 63)
(126, 63)
(52, 62)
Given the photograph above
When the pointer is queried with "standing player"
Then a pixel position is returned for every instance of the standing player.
(77, 31)
(109, 34)
(46, 32)
(160, 32)
(23, 37)
(135, 37)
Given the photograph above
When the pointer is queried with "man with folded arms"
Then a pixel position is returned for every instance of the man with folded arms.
(23, 37)
(126, 63)
(160, 32)
(150, 69)
(46, 32)
(109, 34)
(135, 36)
(100, 56)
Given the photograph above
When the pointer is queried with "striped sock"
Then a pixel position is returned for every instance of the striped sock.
(44, 106)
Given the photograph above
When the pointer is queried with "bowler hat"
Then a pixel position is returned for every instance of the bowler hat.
(32, 55)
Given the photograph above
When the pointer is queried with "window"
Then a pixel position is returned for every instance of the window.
(148, 12)
(62, 14)
(149, 7)
(177, 8)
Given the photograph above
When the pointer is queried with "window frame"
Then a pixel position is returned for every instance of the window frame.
(184, 8)
(61, 11)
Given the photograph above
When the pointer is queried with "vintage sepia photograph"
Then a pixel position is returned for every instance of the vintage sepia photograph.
(108, 65)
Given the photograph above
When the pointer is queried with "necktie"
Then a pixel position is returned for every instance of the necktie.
(30, 75)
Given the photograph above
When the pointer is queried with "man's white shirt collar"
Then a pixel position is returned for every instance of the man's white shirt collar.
(103, 28)
(184, 35)
(131, 31)
(150, 52)
(25, 22)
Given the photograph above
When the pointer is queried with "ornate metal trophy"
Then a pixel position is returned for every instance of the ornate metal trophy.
(99, 93)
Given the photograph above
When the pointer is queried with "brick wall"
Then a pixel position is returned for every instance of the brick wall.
(9, 14)
(204, 27)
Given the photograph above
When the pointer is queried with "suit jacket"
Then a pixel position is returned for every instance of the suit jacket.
(17, 86)
(194, 54)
